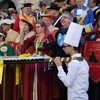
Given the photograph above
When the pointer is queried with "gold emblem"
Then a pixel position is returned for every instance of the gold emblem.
(4, 49)
(64, 36)
(61, 42)
(59, 36)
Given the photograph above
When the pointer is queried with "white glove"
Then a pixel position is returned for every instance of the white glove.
(84, 13)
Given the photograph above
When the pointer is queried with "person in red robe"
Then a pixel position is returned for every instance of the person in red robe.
(37, 78)
(26, 31)
(26, 15)
(94, 35)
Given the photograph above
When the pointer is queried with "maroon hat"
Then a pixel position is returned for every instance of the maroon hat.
(27, 4)
(14, 11)
(41, 4)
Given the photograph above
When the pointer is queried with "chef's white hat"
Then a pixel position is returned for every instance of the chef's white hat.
(73, 34)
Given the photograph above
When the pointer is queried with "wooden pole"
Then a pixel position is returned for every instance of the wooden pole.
(4, 83)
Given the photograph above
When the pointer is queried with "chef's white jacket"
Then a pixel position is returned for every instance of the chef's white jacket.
(76, 79)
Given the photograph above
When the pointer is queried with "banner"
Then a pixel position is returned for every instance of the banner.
(92, 52)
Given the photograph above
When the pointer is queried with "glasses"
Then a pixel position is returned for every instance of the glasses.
(37, 26)
(64, 17)
(28, 8)
(66, 46)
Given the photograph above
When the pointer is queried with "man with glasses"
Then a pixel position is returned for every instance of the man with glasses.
(27, 15)
(66, 19)
(77, 78)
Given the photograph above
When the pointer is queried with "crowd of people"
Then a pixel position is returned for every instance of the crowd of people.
(59, 29)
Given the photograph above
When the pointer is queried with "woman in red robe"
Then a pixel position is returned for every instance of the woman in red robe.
(26, 31)
(37, 78)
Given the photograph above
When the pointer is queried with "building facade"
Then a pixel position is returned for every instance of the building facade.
(18, 3)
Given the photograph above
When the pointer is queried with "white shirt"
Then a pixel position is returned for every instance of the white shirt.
(10, 30)
(76, 79)
(12, 19)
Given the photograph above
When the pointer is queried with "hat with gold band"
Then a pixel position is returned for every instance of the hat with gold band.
(52, 17)
(27, 21)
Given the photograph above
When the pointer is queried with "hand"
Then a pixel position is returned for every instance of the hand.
(21, 26)
(66, 64)
(57, 61)
(49, 44)
(64, 8)
(47, 41)
(37, 35)
(84, 13)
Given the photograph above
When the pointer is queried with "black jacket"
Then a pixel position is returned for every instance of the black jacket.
(60, 53)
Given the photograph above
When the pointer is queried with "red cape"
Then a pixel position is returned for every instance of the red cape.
(95, 30)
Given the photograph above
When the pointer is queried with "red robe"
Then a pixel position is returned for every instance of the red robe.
(44, 78)
(16, 25)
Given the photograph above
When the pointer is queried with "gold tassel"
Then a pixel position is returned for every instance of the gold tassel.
(35, 84)
(17, 74)
(1, 70)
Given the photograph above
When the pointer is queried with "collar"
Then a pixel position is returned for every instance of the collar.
(95, 8)
(49, 27)
(41, 12)
(26, 34)
(27, 15)
(2, 18)
(76, 55)
(1, 43)
(64, 28)
(10, 30)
